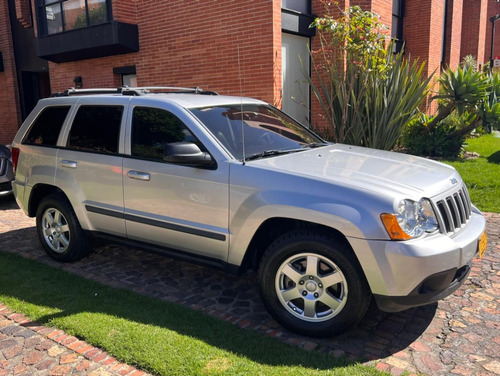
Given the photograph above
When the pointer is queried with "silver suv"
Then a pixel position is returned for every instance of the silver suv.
(235, 183)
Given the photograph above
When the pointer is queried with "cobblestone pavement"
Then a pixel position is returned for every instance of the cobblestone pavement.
(30, 349)
(457, 336)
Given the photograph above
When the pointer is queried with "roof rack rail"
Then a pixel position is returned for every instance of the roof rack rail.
(73, 91)
(125, 90)
(165, 90)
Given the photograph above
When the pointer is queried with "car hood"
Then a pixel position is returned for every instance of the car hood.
(393, 174)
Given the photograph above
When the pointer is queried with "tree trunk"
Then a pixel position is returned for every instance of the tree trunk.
(441, 115)
(467, 129)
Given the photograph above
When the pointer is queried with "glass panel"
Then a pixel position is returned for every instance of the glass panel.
(295, 89)
(395, 27)
(265, 127)
(46, 128)
(97, 11)
(396, 7)
(153, 129)
(302, 6)
(74, 14)
(96, 128)
(129, 80)
(54, 19)
(47, 2)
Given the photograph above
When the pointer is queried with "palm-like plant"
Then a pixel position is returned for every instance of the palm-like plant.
(462, 90)
(367, 94)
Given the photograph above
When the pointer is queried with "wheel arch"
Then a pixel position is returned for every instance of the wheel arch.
(273, 228)
(38, 193)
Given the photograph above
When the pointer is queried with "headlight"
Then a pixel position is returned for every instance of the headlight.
(411, 221)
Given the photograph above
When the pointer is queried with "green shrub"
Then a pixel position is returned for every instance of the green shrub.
(418, 139)
(367, 94)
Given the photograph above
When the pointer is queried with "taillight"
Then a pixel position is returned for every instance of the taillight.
(15, 158)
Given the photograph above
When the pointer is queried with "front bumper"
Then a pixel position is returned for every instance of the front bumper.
(432, 289)
(5, 188)
(404, 274)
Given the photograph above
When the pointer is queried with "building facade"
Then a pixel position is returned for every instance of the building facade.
(236, 47)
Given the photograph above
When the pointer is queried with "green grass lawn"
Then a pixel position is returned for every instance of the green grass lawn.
(160, 337)
(482, 175)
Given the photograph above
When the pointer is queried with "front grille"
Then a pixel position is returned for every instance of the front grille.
(454, 211)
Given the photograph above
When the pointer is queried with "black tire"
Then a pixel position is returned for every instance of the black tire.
(59, 231)
(312, 284)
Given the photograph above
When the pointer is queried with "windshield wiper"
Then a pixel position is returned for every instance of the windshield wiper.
(268, 153)
(313, 145)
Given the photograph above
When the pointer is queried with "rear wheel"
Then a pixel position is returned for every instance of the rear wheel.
(312, 284)
(59, 231)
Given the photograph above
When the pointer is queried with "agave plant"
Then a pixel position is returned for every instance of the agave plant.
(462, 90)
(392, 100)
(491, 109)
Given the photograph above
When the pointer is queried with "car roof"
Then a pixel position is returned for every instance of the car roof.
(193, 99)
(197, 100)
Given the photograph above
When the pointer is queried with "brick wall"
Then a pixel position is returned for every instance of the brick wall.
(493, 10)
(453, 33)
(194, 44)
(9, 96)
(423, 34)
(474, 29)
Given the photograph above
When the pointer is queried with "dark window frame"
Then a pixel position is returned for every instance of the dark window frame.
(398, 16)
(42, 18)
(71, 146)
(195, 139)
(35, 125)
(288, 4)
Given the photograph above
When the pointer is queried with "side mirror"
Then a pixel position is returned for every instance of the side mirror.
(186, 153)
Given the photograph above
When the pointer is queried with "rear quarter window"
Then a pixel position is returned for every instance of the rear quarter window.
(97, 129)
(47, 126)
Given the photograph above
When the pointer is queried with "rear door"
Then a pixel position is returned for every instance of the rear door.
(169, 204)
(89, 167)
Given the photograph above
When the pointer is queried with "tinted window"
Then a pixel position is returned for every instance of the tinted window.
(96, 128)
(46, 128)
(262, 128)
(153, 129)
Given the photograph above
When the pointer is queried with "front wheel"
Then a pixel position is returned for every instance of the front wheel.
(312, 284)
(59, 231)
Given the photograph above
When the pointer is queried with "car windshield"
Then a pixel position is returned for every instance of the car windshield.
(265, 130)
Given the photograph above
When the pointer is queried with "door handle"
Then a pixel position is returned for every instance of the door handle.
(68, 164)
(138, 175)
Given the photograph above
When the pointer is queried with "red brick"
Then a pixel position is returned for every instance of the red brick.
(60, 370)
(32, 358)
(76, 345)
(12, 352)
(82, 350)
(137, 373)
(45, 364)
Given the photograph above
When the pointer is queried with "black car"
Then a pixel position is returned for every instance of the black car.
(6, 171)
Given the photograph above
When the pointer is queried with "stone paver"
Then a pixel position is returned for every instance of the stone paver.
(457, 336)
(27, 348)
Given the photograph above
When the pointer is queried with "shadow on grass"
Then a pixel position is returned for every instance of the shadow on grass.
(377, 336)
(494, 158)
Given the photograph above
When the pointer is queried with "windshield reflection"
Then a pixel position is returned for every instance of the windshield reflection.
(265, 130)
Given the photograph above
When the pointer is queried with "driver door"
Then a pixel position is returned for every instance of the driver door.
(169, 204)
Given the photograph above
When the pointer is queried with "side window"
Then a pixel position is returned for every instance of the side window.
(45, 129)
(96, 128)
(153, 129)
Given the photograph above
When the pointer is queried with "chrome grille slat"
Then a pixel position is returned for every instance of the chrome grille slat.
(461, 209)
(454, 211)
